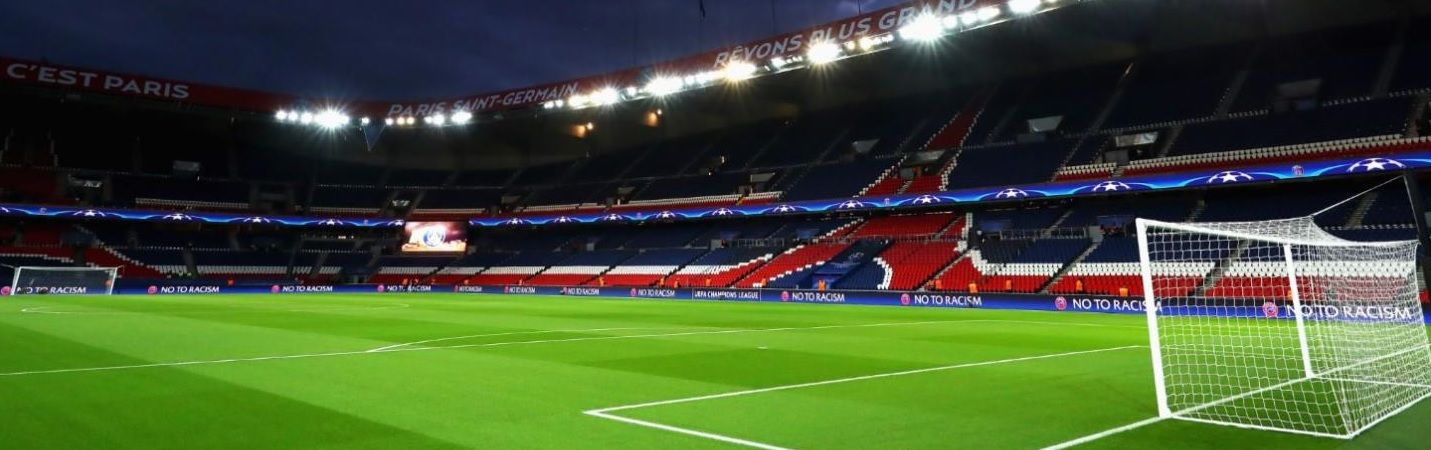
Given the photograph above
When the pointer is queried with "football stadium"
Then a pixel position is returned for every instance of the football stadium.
(707, 224)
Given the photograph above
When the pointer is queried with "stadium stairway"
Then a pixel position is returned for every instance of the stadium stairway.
(832, 270)
(796, 259)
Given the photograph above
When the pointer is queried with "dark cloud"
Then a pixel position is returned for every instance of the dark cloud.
(384, 49)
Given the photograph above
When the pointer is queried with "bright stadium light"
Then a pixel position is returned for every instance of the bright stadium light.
(988, 13)
(969, 18)
(305, 118)
(388, 121)
(365, 121)
(823, 53)
(461, 117)
(738, 71)
(282, 115)
(1023, 6)
(409, 120)
(605, 97)
(331, 118)
(924, 28)
(435, 120)
(663, 86)
(578, 101)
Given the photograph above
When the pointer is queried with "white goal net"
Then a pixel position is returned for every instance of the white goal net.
(63, 280)
(1286, 327)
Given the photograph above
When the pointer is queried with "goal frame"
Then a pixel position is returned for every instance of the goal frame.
(1151, 307)
(109, 289)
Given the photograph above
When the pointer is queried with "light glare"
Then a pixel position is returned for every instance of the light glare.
(1023, 6)
(663, 86)
(924, 28)
(824, 52)
(461, 117)
(738, 71)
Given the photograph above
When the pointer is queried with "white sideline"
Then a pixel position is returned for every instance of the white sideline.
(605, 413)
(490, 344)
(316, 308)
(496, 344)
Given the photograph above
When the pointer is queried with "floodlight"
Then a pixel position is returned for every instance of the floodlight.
(388, 121)
(969, 18)
(364, 121)
(988, 13)
(924, 28)
(282, 115)
(305, 118)
(1023, 6)
(578, 101)
(663, 86)
(461, 117)
(605, 97)
(823, 53)
(331, 118)
(435, 120)
(738, 71)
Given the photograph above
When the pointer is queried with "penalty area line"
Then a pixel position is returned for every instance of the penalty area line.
(606, 413)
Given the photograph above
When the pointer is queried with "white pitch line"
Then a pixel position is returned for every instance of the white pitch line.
(317, 308)
(1035, 322)
(685, 431)
(513, 333)
(1104, 434)
(489, 344)
(605, 413)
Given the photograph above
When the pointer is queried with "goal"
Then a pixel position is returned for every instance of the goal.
(30, 280)
(1279, 325)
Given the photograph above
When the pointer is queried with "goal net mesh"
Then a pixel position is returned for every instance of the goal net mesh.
(63, 280)
(1283, 326)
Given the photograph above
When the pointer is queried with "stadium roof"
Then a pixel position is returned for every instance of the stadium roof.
(378, 49)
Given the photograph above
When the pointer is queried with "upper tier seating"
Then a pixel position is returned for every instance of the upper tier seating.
(836, 180)
(1325, 123)
(1178, 85)
(1008, 165)
(1345, 60)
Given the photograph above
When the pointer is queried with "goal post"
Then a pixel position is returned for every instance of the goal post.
(1279, 325)
(33, 280)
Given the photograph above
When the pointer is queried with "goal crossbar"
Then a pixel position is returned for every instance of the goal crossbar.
(1334, 241)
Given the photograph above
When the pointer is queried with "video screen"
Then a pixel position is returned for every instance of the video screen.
(435, 237)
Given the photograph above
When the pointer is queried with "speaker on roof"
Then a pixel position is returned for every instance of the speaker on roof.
(1045, 124)
(863, 147)
(186, 169)
(1297, 95)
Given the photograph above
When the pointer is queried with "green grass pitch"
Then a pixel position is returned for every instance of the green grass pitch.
(411, 371)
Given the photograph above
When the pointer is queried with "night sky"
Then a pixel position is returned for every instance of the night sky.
(391, 49)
